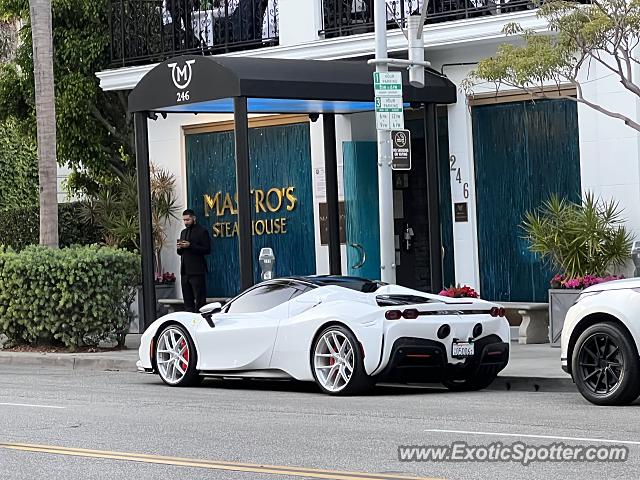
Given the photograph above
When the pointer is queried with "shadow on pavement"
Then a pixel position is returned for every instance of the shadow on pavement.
(310, 387)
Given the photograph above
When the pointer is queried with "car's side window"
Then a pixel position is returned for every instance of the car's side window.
(300, 288)
(262, 298)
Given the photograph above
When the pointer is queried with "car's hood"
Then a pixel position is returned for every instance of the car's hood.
(615, 285)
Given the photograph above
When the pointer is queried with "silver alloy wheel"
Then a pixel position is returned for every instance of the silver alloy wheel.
(172, 355)
(333, 360)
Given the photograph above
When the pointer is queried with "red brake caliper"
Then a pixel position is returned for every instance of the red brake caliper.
(186, 353)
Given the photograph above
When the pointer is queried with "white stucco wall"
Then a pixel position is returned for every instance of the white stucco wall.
(609, 150)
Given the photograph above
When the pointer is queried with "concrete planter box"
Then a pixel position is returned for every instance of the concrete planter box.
(164, 290)
(560, 300)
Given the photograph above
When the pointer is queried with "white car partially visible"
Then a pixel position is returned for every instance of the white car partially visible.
(344, 333)
(600, 342)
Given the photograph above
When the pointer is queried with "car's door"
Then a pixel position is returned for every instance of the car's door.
(245, 331)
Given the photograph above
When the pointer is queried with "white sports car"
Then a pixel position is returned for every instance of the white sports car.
(344, 333)
(600, 342)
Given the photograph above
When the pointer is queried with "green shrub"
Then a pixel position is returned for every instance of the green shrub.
(20, 226)
(73, 296)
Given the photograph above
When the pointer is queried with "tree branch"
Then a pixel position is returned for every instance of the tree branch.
(626, 83)
(110, 128)
(580, 98)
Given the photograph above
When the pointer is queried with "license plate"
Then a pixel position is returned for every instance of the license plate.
(462, 349)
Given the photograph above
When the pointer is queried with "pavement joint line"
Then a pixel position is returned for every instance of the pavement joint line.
(30, 405)
(526, 435)
(209, 464)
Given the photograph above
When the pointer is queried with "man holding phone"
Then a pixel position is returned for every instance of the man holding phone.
(192, 246)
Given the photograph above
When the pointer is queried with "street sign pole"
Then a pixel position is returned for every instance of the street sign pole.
(385, 180)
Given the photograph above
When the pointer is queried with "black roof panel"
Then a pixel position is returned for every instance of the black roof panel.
(354, 283)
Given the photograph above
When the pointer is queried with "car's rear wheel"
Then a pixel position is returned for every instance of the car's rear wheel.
(338, 364)
(605, 365)
(175, 357)
(479, 382)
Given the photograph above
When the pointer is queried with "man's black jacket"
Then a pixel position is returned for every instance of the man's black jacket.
(193, 261)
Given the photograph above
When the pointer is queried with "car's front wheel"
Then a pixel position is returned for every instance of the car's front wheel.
(338, 364)
(175, 357)
(605, 365)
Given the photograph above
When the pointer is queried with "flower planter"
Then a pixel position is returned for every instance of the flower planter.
(164, 290)
(560, 300)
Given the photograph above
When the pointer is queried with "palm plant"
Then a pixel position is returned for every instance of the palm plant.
(163, 209)
(578, 239)
(115, 209)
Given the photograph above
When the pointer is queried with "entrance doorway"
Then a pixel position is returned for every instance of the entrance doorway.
(410, 210)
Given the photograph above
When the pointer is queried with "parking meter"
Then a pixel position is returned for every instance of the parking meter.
(635, 256)
(267, 262)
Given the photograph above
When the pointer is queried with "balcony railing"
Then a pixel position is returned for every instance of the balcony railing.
(144, 31)
(348, 17)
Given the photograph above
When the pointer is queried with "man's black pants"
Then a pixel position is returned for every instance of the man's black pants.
(194, 292)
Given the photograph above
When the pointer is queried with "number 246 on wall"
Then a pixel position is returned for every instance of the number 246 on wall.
(182, 96)
(465, 185)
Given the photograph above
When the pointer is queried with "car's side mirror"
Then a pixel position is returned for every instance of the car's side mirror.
(209, 310)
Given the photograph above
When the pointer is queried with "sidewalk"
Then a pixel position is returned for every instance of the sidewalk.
(531, 367)
(534, 368)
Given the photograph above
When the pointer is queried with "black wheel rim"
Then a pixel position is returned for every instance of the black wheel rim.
(601, 364)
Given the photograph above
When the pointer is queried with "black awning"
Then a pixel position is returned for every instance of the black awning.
(208, 84)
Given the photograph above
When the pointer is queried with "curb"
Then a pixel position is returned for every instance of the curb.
(533, 384)
(69, 361)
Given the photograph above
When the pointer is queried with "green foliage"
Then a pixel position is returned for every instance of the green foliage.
(163, 208)
(603, 33)
(114, 210)
(73, 296)
(20, 226)
(93, 126)
(18, 168)
(579, 239)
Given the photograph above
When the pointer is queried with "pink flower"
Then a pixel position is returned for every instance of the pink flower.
(581, 282)
(459, 292)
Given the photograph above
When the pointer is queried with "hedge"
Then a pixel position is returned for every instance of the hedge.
(20, 227)
(72, 296)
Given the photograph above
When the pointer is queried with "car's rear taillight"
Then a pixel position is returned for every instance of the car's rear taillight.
(497, 312)
(410, 314)
(393, 315)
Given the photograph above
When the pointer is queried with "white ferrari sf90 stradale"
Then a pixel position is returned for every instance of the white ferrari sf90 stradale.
(344, 333)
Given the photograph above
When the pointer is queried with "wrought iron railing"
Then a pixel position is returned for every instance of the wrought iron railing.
(144, 31)
(348, 17)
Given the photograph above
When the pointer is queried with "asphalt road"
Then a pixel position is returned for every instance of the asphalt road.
(132, 426)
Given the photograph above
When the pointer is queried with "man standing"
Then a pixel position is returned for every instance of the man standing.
(193, 245)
